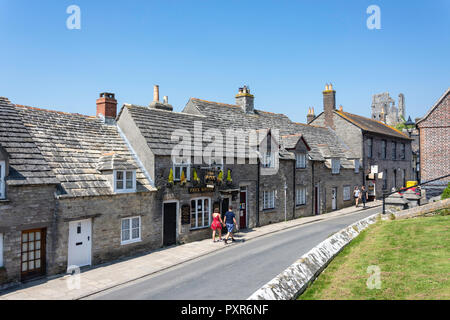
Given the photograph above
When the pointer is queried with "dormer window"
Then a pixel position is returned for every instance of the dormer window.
(335, 166)
(268, 160)
(300, 160)
(180, 166)
(124, 181)
(2, 180)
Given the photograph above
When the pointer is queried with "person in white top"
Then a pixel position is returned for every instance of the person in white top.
(356, 194)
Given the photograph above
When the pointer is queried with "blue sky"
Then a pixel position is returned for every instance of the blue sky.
(284, 50)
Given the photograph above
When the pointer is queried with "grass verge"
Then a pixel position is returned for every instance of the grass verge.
(413, 257)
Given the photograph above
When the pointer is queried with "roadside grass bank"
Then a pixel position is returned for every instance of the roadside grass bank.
(413, 257)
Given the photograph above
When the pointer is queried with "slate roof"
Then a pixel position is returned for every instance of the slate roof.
(371, 125)
(74, 146)
(158, 125)
(27, 165)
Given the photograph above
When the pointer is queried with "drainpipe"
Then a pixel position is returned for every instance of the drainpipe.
(294, 192)
(258, 179)
(285, 201)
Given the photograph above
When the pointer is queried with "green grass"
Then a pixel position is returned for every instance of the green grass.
(413, 256)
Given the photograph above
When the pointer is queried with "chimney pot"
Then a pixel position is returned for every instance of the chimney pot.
(107, 105)
(156, 93)
(245, 100)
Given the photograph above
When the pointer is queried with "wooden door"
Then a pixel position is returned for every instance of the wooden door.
(243, 209)
(33, 253)
(170, 224)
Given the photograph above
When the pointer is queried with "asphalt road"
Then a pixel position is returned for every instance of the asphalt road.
(235, 272)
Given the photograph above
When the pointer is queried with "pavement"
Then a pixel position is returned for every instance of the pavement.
(112, 275)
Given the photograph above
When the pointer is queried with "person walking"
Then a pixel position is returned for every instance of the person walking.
(356, 195)
(364, 196)
(230, 221)
(216, 225)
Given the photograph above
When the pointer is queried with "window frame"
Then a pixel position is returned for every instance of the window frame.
(369, 148)
(402, 151)
(335, 166)
(181, 164)
(298, 164)
(344, 193)
(208, 223)
(394, 150)
(300, 196)
(383, 149)
(267, 155)
(130, 229)
(2, 180)
(124, 180)
(357, 165)
(270, 203)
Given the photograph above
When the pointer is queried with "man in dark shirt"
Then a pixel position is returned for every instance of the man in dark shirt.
(230, 222)
(364, 196)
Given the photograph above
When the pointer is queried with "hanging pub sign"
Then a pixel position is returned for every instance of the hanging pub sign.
(186, 214)
(210, 176)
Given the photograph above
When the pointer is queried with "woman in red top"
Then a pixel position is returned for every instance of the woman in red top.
(216, 225)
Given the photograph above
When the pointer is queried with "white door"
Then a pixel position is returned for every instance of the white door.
(333, 198)
(80, 234)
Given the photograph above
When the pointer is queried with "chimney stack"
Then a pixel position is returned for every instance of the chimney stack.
(329, 105)
(311, 116)
(156, 104)
(156, 93)
(107, 105)
(245, 100)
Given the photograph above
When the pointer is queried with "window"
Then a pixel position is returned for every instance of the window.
(200, 213)
(300, 160)
(346, 193)
(300, 196)
(402, 151)
(268, 160)
(1, 249)
(357, 166)
(385, 180)
(370, 147)
(335, 166)
(131, 230)
(125, 181)
(383, 149)
(181, 166)
(2, 180)
(394, 150)
(269, 199)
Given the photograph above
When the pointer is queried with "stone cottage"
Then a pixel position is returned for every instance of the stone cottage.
(384, 152)
(76, 194)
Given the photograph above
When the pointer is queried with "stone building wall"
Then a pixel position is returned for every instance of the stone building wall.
(106, 213)
(435, 146)
(26, 208)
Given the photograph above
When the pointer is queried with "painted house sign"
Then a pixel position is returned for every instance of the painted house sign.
(186, 214)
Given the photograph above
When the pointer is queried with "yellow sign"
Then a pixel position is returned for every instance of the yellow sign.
(410, 183)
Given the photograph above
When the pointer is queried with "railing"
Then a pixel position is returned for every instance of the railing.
(405, 189)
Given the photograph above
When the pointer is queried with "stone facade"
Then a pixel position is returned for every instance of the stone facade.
(434, 133)
(26, 208)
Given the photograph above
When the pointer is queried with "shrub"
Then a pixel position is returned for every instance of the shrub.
(446, 193)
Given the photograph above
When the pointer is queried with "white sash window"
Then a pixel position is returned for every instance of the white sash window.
(300, 160)
(300, 196)
(269, 199)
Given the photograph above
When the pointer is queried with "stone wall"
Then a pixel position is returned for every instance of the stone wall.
(107, 213)
(422, 210)
(26, 208)
(289, 284)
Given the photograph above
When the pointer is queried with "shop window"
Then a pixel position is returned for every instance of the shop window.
(200, 213)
